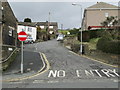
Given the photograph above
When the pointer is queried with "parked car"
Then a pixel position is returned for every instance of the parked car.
(28, 41)
(60, 37)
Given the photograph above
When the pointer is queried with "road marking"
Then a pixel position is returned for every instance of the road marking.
(116, 81)
(94, 59)
(56, 73)
(78, 73)
(114, 71)
(89, 73)
(98, 73)
(41, 71)
(53, 81)
(107, 72)
(19, 82)
(38, 81)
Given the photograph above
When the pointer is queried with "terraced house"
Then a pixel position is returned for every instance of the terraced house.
(8, 31)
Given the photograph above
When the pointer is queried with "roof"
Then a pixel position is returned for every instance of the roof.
(102, 5)
(33, 24)
(37, 23)
(46, 23)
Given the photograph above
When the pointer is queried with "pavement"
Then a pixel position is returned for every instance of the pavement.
(29, 63)
(65, 69)
(32, 65)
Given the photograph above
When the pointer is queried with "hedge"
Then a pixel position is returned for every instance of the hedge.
(75, 47)
(106, 44)
(89, 34)
(113, 47)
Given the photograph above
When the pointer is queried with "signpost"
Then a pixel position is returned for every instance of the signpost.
(22, 36)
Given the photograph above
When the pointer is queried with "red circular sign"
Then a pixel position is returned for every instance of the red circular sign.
(22, 36)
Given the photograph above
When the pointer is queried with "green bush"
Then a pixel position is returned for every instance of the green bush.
(63, 31)
(90, 34)
(101, 45)
(74, 31)
(93, 42)
(113, 47)
(93, 34)
(106, 44)
(75, 47)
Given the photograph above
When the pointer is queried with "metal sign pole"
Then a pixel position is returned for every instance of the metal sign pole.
(22, 57)
(22, 36)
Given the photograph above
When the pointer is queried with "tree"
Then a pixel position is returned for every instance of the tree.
(110, 21)
(27, 20)
(38, 32)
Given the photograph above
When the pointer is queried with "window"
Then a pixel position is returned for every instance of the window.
(10, 32)
(29, 29)
(106, 14)
(42, 27)
(51, 27)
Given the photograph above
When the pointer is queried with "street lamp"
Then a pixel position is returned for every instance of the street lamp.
(81, 48)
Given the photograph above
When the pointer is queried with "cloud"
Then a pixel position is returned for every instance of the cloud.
(61, 12)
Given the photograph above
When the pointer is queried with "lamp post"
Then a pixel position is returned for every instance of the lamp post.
(81, 48)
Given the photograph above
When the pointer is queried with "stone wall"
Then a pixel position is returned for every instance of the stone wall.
(9, 30)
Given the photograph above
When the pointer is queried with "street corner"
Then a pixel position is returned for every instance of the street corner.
(11, 77)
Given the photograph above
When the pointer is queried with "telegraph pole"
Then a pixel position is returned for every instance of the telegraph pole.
(48, 26)
(48, 22)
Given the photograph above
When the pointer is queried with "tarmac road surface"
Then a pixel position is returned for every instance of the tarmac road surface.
(66, 70)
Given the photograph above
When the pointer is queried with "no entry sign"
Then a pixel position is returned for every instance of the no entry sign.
(22, 36)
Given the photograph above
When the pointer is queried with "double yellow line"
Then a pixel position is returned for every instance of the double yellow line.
(41, 71)
(94, 60)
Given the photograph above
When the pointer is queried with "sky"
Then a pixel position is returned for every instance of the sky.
(62, 12)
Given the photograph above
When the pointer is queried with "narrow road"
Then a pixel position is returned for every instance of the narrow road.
(68, 70)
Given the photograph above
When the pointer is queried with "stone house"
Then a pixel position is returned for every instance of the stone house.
(8, 30)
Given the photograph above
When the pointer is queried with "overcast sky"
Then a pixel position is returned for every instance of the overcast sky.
(62, 12)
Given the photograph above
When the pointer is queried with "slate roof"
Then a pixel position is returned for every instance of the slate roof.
(37, 23)
(33, 24)
(102, 5)
(46, 23)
